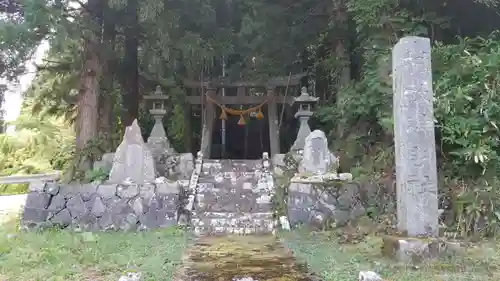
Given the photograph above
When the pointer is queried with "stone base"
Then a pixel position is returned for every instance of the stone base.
(416, 250)
(315, 206)
(96, 207)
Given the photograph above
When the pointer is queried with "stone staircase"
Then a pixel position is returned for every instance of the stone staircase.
(233, 197)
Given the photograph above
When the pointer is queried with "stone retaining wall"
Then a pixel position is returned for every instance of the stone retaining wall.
(316, 205)
(95, 207)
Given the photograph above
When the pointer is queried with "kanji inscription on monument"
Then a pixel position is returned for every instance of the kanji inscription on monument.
(416, 172)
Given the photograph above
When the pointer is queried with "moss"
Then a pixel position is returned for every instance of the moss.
(260, 257)
(390, 246)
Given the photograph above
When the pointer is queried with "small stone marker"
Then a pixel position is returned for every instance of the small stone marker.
(133, 159)
(369, 276)
(317, 158)
(416, 172)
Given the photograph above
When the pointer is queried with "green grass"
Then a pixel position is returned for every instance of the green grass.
(342, 262)
(12, 189)
(62, 255)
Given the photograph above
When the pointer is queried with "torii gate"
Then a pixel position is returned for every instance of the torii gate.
(273, 99)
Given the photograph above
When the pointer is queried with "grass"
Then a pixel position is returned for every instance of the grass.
(62, 255)
(13, 189)
(342, 262)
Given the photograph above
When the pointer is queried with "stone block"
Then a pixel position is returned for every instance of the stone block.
(69, 191)
(146, 191)
(342, 217)
(76, 207)
(86, 191)
(87, 221)
(169, 201)
(128, 221)
(38, 200)
(417, 250)
(341, 204)
(150, 219)
(298, 215)
(57, 203)
(107, 191)
(300, 200)
(357, 211)
(166, 217)
(37, 187)
(137, 206)
(97, 207)
(317, 219)
(106, 221)
(348, 195)
(154, 202)
(34, 215)
(52, 188)
(127, 191)
(62, 218)
(118, 207)
(205, 187)
(167, 188)
(300, 188)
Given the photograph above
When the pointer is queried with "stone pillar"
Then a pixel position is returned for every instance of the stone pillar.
(304, 113)
(208, 127)
(272, 112)
(158, 140)
(416, 172)
(304, 131)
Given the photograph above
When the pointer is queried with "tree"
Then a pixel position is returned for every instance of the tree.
(130, 75)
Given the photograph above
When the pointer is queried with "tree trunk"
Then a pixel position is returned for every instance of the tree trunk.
(130, 82)
(340, 49)
(87, 114)
(107, 99)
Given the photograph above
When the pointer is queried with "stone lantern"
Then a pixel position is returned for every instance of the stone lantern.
(305, 104)
(158, 141)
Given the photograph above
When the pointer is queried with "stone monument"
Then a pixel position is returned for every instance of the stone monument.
(317, 158)
(133, 160)
(308, 201)
(416, 172)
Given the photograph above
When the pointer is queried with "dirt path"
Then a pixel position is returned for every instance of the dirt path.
(10, 205)
(241, 258)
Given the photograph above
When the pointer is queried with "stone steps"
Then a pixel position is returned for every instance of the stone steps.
(235, 198)
(219, 223)
(229, 201)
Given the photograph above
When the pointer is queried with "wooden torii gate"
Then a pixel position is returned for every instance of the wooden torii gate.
(210, 88)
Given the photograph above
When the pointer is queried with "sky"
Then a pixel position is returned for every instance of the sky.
(13, 96)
